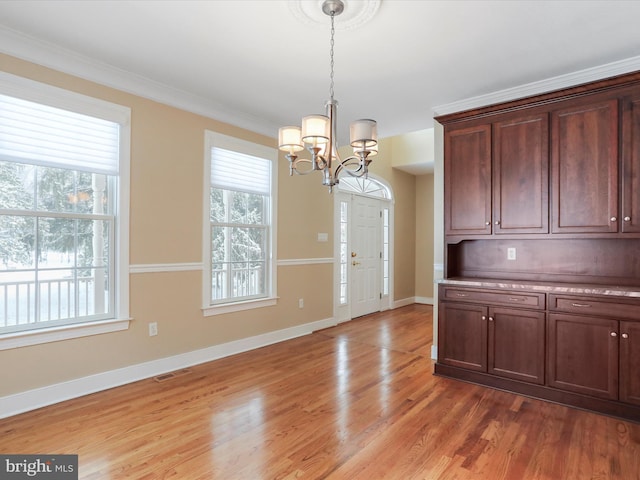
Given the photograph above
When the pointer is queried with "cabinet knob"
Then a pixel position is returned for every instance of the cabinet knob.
(613, 219)
(491, 319)
(497, 222)
(483, 317)
(625, 335)
(614, 334)
(627, 219)
(487, 223)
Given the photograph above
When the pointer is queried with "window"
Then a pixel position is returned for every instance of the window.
(239, 234)
(385, 251)
(364, 185)
(344, 252)
(61, 201)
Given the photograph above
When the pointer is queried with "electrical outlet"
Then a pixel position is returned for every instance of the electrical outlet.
(301, 303)
(511, 253)
(153, 329)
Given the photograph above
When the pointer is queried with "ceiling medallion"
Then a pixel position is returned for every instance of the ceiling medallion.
(356, 12)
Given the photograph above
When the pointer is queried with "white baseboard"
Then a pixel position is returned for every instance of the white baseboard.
(424, 300)
(404, 302)
(434, 352)
(411, 300)
(41, 397)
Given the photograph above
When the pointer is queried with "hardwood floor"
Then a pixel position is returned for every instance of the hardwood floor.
(357, 401)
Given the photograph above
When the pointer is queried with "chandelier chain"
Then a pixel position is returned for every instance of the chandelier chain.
(318, 132)
(333, 31)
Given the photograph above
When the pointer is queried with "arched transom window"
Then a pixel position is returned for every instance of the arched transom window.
(367, 186)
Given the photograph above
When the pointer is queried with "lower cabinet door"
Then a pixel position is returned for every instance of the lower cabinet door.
(462, 336)
(630, 362)
(583, 355)
(516, 344)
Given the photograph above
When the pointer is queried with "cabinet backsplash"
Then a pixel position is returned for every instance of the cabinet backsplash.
(583, 260)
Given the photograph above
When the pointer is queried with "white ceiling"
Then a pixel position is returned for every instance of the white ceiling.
(257, 65)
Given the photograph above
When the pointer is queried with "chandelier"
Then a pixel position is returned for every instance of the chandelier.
(318, 133)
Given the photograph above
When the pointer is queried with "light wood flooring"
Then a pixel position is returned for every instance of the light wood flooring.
(357, 401)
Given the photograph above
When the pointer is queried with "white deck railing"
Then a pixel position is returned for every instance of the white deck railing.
(58, 299)
(245, 282)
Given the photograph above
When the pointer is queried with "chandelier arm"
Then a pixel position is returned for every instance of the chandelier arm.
(361, 162)
(316, 162)
(321, 162)
(295, 164)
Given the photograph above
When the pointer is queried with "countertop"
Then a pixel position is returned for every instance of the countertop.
(546, 287)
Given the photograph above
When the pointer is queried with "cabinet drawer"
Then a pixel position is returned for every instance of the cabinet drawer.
(594, 306)
(495, 297)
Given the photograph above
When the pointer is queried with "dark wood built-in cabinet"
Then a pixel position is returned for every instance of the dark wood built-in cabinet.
(584, 167)
(521, 175)
(541, 294)
(468, 199)
(600, 338)
(583, 356)
(630, 180)
(480, 334)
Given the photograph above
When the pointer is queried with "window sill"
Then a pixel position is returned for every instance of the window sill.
(66, 332)
(238, 306)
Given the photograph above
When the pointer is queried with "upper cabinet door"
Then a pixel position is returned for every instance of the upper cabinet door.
(467, 176)
(584, 168)
(630, 212)
(521, 175)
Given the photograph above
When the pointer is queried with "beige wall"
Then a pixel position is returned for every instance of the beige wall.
(413, 246)
(167, 152)
(424, 238)
(404, 191)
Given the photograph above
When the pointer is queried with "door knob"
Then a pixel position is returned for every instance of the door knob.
(354, 254)
(354, 263)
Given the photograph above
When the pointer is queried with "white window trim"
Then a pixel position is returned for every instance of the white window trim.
(27, 89)
(212, 139)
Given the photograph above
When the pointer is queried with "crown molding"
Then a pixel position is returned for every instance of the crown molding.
(49, 55)
(543, 86)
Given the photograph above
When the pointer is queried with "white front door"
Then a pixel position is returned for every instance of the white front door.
(366, 255)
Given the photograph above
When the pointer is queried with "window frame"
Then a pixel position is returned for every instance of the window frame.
(209, 308)
(31, 90)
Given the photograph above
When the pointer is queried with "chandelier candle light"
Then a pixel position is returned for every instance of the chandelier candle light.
(318, 133)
